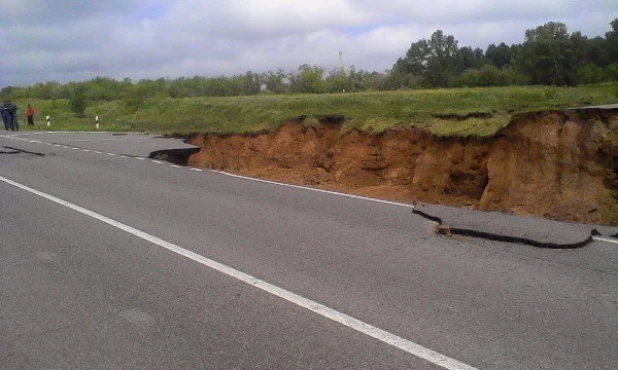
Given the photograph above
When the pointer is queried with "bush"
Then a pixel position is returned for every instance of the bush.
(78, 102)
(134, 99)
(612, 71)
(591, 74)
(467, 78)
(490, 76)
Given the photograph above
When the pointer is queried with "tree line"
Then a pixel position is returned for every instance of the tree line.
(549, 55)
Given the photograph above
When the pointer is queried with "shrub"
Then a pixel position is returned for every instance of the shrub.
(78, 102)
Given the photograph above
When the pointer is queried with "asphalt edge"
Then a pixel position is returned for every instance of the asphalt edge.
(504, 238)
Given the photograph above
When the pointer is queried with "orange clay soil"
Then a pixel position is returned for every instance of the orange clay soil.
(558, 165)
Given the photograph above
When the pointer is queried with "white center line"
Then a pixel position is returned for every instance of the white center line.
(96, 151)
(175, 166)
(110, 153)
(86, 150)
(140, 158)
(157, 162)
(403, 344)
(196, 170)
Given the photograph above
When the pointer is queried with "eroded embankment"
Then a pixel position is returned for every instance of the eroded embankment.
(559, 165)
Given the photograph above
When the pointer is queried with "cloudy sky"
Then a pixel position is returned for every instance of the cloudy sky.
(64, 40)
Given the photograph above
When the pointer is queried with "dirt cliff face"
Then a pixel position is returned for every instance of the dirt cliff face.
(552, 164)
(556, 165)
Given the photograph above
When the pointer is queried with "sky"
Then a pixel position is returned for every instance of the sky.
(76, 40)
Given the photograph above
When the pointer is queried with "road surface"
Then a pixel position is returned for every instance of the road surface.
(110, 260)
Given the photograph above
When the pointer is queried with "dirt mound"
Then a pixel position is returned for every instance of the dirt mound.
(554, 164)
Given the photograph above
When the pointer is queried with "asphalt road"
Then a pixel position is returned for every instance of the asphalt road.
(81, 288)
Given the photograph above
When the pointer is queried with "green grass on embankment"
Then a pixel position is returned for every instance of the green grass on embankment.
(368, 111)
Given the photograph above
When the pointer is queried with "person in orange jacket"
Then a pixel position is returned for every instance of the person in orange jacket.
(30, 114)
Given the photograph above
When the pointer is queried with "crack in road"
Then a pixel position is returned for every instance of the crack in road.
(501, 237)
(17, 151)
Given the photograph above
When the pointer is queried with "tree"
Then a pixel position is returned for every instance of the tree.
(434, 60)
(596, 52)
(499, 56)
(441, 66)
(468, 58)
(308, 79)
(547, 55)
(415, 60)
(612, 41)
(7, 92)
(275, 81)
(337, 81)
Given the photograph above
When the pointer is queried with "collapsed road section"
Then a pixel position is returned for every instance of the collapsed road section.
(558, 165)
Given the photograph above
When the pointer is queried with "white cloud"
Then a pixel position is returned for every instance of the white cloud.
(70, 40)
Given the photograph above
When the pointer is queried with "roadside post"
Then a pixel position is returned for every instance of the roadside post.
(96, 120)
(48, 119)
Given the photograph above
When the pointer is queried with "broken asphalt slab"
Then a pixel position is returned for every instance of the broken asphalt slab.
(499, 226)
(129, 144)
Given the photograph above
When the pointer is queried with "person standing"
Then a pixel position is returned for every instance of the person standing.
(30, 114)
(6, 116)
(13, 124)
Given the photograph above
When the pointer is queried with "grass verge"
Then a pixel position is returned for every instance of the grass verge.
(367, 111)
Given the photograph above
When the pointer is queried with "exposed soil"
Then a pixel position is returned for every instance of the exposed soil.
(558, 165)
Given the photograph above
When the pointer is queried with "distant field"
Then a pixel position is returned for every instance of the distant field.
(434, 110)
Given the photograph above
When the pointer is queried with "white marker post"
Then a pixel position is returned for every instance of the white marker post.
(96, 120)
(48, 119)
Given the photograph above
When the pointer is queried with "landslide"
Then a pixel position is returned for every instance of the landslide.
(557, 164)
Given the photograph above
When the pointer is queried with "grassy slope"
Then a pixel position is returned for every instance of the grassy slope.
(372, 111)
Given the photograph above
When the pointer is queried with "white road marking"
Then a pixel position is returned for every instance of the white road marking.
(75, 148)
(320, 309)
(157, 162)
(110, 154)
(175, 166)
(140, 158)
(196, 169)
(86, 150)
(316, 190)
(123, 156)
(605, 240)
(56, 145)
(96, 151)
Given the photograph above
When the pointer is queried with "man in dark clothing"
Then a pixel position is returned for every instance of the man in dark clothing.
(6, 115)
(13, 124)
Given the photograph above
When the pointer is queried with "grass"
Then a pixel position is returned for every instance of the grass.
(369, 111)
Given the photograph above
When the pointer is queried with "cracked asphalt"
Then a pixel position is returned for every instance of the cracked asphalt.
(78, 293)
